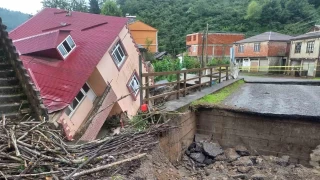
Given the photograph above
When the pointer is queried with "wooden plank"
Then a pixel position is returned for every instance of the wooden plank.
(157, 85)
(175, 72)
(211, 77)
(219, 74)
(200, 74)
(147, 89)
(178, 85)
(162, 95)
(184, 84)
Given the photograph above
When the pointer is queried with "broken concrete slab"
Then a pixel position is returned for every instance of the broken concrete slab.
(212, 149)
(198, 157)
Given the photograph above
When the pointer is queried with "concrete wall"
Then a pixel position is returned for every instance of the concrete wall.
(120, 78)
(267, 135)
(303, 53)
(176, 141)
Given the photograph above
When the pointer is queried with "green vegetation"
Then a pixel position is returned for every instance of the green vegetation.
(12, 19)
(216, 62)
(176, 18)
(219, 96)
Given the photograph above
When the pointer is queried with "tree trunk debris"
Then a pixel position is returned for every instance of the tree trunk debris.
(32, 149)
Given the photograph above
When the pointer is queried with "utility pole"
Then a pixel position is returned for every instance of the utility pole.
(202, 61)
(206, 60)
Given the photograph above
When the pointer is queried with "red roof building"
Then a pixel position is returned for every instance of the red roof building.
(72, 56)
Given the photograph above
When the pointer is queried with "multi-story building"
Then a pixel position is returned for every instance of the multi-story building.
(259, 52)
(305, 52)
(218, 44)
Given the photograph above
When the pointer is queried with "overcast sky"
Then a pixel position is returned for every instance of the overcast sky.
(25, 6)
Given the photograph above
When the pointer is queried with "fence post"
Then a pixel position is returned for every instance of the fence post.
(178, 85)
(147, 89)
(227, 73)
(200, 75)
(219, 74)
(140, 79)
(185, 84)
(211, 77)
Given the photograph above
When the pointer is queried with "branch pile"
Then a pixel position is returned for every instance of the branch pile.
(32, 149)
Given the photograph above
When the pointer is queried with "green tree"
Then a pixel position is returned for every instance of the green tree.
(111, 8)
(253, 11)
(61, 4)
(78, 5)
(94, 7)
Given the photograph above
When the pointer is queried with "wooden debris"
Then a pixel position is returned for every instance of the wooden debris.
(31, 149)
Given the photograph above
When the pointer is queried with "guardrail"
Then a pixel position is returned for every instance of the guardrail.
(215, 73)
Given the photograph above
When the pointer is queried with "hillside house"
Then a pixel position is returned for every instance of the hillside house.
(144, 35)
(305, 52)
(81, 63)
(219, 44)
(259, 52)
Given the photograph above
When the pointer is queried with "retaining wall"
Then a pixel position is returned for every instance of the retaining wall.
(264, 135)
(176, 141)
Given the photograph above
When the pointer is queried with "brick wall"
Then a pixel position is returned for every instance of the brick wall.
(175, 141)
(276, 49)
(267, 135)
(218, 43)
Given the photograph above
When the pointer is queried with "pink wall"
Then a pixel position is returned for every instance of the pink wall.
(71, 125)
(110, 72)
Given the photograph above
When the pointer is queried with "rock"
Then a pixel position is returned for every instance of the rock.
(259, 160)
(220, 157)
(242, 150)
(198, 157)
(258, 177)
(187, 152)
(200, 138)
(195, 147)
(208, 161)
(231, 154)
(244, 169)
(243, 161)
(212, 149)
(283, 161)
(239, 176)
(207, 173)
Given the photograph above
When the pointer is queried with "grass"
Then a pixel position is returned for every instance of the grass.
(219, 96)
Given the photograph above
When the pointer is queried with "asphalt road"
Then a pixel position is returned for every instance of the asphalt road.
(277, 99)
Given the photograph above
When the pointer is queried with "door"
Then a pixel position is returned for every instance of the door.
(308, 66)
(254, 66)
(264, 65)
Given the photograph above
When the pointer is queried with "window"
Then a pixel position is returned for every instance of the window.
(194, 49)
(194, 37)
(84, 91)
(188, 38)
(310, 47)
(118, 54)
(298, 47)
(241, 48)
(134, 84)
(66, 46)
(256, 47)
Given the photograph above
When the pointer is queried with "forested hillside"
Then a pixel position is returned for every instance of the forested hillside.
(12, 19)
(176, 18)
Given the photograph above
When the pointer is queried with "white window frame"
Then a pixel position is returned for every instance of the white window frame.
(194, 49)
(310, 46)
(72, 111)
(138, 84)
(298, 51)
(256, 47)
(241, 48)
(116, 49)
(61, 45)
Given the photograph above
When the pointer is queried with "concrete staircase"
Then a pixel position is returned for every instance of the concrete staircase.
(13, 101)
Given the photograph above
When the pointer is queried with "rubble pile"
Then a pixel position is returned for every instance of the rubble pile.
(207, 160)
(32, 149)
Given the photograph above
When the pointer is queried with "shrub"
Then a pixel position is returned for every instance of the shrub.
(190, 62)
(216, 62)
(167, 64)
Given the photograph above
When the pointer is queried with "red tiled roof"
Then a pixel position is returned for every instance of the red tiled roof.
(60, 80)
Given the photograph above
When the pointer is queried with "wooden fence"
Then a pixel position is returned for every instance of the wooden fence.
(215, 74)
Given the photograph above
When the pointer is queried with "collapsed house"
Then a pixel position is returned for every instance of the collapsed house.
(80, 64)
